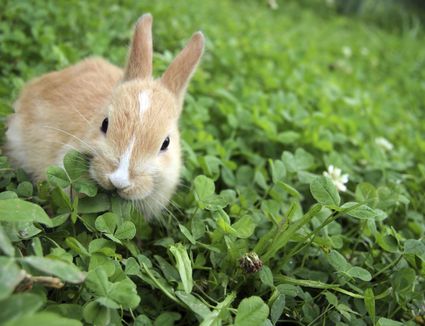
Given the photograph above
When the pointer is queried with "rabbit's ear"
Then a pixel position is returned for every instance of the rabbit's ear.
(139, 64)
(178, 74)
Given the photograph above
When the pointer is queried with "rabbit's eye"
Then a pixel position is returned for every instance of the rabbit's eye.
(165, 144)
(104, 126)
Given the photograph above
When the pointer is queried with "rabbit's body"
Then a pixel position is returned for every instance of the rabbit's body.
(125, 120)
(55, 106)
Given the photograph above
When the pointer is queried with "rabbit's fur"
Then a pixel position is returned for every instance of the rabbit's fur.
(65, 110)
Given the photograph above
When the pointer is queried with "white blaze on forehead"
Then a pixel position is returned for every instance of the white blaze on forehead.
(120, 177)
(144, 101)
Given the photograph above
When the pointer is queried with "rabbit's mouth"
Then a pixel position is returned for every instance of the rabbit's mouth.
(141, 187)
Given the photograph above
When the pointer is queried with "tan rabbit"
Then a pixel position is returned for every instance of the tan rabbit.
(125, 120)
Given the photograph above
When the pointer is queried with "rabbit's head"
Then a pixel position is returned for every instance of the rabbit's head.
(138, 141)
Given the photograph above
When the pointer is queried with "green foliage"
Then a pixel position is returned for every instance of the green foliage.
(257, 235)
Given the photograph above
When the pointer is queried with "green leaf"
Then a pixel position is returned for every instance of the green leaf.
(37, 247)
(332, 299)
(415, 247)
(289, 189)
(225, 226)
(283, 236)
(108, 303)
(97, 281)
(123, 208)
(75, 245)
(277, 170)
(60, 219)
(369, 300)
(187, 233)
(387, 242)
(102, 245)
(8, 195)
(65, 271)
(197, 227)
(5, 244)
(325, 192)
(126, 231)
(96, 314)
(266, 276)
(288, 137)
(367, 194)
(204, 188)
(251, 311)
(360, 273)
(25, 189)
(338, 261)
(142, 320)
(18, 210)
(107, 223)
(288, 290)
(132, 267)
(45, 319)
(388, 322)
(183, 265)
(302, 160)
(167, 318)
(10, 276)
(260, 180)
(170, 273)
(61, 198)
(68, 310)
(85, 185)
(57, 176)
(75, 164)
(361, 212)
(196, 305)
(277, 308)
(124, 293)
(97, 204)
(19, 305)
(403, 281)
(244, 227)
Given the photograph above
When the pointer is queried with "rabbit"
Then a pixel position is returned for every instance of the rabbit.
(126, 121)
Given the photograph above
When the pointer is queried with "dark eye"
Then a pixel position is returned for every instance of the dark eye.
(165, 144)
(104, 126)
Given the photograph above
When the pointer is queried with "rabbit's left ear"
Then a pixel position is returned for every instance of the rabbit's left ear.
(178, 74)
(139, 64)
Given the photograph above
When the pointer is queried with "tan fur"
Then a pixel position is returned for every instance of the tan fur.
(139, 63)
(65, 109)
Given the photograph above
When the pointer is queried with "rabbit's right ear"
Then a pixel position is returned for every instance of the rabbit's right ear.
(139, 64)
(178, 74)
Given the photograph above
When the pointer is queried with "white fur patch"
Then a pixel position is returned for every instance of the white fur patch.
(120, 177)
(16, 144)
(144, 101)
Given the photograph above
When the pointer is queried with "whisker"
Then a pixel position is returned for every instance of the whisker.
(75, 137)
(71, 147)
(167, 202)
(81, 115)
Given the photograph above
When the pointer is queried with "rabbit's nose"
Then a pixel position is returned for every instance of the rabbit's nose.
(120, 179)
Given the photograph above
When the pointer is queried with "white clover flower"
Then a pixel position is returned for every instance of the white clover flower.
(273, 4)
(338, 179)
(347, 52)
(364, 51)
(384, 143)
